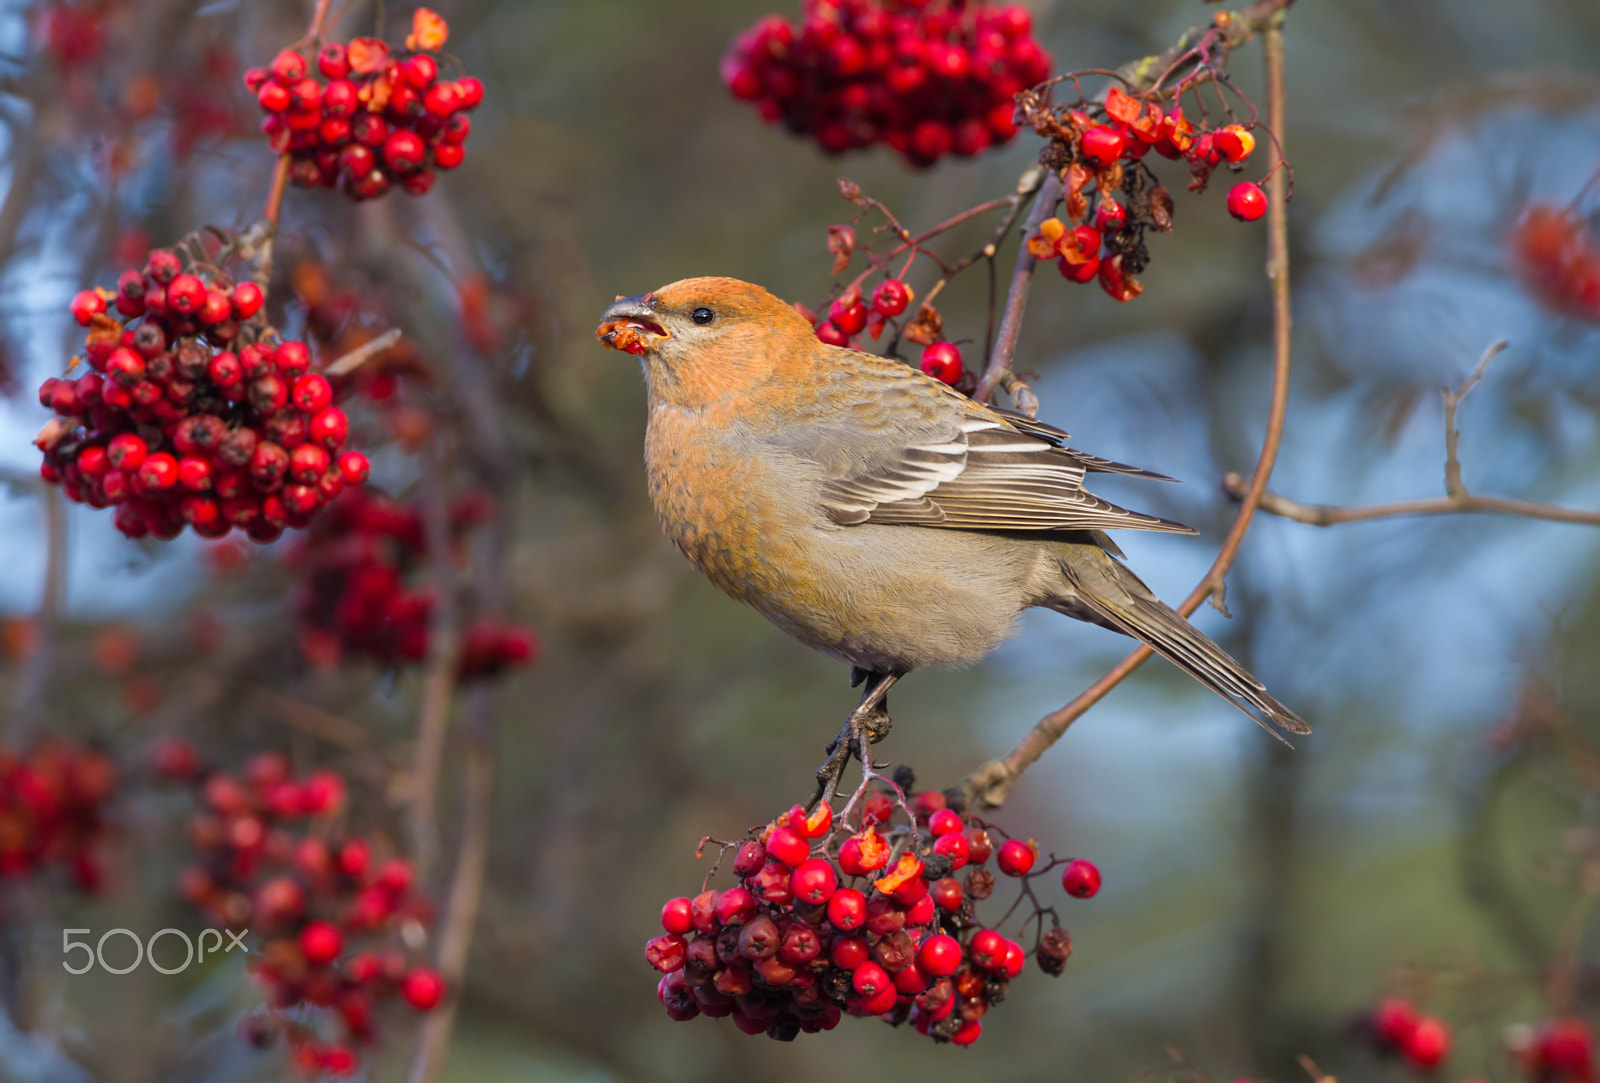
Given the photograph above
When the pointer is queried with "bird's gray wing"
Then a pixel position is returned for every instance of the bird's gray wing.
(926, 456)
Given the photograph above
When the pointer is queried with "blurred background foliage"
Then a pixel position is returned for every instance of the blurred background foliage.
(1256, 899)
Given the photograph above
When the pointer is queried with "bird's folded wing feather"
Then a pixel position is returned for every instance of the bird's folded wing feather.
(945, 461)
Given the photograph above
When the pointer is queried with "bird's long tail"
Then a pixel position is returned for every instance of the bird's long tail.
(1108, 593)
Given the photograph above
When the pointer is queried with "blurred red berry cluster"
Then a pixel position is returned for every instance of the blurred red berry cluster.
(1111, 197)
(272, 862)
(354, 598)
(1557, 255)
(374, 119)
(188, 415)
(52, 810)
(1556, 1051)
(880, 921)
(927, 77)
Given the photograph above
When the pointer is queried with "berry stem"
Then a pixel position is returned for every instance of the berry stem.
(1005, 347)
(987, 787)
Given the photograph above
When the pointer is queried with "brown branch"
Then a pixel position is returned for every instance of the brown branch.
(1456, 501)
(439, 677)
(311, 719)
(1005, 347)
(466, 895)
(988, 786)
(36, 676)
(363, 353)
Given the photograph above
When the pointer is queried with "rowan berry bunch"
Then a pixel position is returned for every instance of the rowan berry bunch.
(355, 564)
(191, 414)
(1557, 255)
(1112, 197)
(1396, 1028)
(272, 860)
(927, 78)
(53, 801)
(874, 915)
(375, 118)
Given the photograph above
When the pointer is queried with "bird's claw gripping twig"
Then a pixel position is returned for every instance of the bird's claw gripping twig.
(867, 725)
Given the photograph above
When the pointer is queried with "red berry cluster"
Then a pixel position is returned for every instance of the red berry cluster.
(1559, 1051)
(851, 313)
(187, 417)
(1112, 198)
(375, 119)
(877, 924)
(1398, 1029)
(1558, 256)
(52, 810)
(354, 566)
(927, 78)
(266, 868)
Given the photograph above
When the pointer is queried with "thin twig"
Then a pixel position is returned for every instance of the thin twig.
(1005, 346)
(1452, 399)
(439, 677)
(987, 787)
(35, 683)
(363, 353)
(1333, 515)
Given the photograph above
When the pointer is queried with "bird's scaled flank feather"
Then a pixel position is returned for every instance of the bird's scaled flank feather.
(1118, 597)
(949, 462)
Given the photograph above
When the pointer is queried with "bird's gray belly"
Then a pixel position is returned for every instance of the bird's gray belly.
(897, 598)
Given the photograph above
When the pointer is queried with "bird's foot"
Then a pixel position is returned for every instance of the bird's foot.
(867, 725)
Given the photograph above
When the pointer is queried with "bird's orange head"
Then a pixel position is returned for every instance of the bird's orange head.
(702, 338)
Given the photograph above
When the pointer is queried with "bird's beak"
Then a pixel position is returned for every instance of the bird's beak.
(631, 324)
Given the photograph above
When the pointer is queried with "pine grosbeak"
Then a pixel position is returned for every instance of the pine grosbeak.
(871, 511)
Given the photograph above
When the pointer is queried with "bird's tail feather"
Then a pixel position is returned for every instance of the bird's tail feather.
(1128, 606)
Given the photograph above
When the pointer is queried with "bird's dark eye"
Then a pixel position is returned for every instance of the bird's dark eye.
(702, 316)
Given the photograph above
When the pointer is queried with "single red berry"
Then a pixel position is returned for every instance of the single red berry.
(394, 876)
(441, 100)
(470, 91)
(891, 297)
(1428, 1044)
(851, 318)
(340, 100)
(312, 393)
(735, 906)
(668, 952)
(944, 821)
(847, 909)
(828, 332)
(954, 846)
(939, 956)
(186, 295)
(1101, 144)
(159, 471)
(849, 952)
(969, 1033)
(423, 989)
(333, 60)
(404, 151)
(354, 856)
(449, 155)
(1016, 857)
(419, 71)
(87, 305)
(787, 846)
(1393, 1020)
(127, 451)
(194, 473)
(942, 361)
(247, 300)
(1081, 879)
(354, 467)
(289, 66)
(323, 792)
(125, 366)
(814, 881)
(1079, 272)
(225, 369)
(675, 916)
(329, 428)
(988, 949)
(320, 943)
(1110, 216)
(292, 358)
(1247, 202)
(273, 96)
